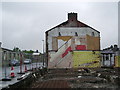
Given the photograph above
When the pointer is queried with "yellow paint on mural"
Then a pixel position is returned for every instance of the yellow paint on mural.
(117, 61)
(64, 38)
(86, 59)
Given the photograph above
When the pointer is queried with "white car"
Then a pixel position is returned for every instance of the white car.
(27, 61)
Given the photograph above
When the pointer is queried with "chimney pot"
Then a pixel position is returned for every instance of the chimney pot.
(72, 16)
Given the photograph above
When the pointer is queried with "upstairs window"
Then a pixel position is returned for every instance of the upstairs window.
(59, 34)
(93, 34)
(76, 34)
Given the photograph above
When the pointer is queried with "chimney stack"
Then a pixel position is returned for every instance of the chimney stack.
(116, 48)
(72, 16)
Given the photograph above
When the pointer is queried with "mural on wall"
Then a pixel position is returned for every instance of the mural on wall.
(93, 43)
(68, 33)
(66, 51)
(55, 57)
(86, 59)
(80, 47)
(117, 61)
(68, 37)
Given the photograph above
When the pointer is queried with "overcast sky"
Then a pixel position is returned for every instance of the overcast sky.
(24, 23)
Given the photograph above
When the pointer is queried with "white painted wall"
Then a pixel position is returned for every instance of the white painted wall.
(69, 31)
(60, 43)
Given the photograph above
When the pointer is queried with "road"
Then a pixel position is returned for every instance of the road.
(16, 71)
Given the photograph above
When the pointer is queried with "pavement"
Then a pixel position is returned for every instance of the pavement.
(16, 71)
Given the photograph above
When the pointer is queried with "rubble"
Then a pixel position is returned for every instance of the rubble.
(81, 78)
(104, 78)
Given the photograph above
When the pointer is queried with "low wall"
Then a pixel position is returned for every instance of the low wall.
(26, 82)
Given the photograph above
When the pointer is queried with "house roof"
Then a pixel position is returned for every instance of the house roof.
(6, 49)
(74, 21)
(107, 52)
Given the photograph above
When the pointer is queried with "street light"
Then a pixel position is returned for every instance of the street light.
(21, 63)
(43, 52)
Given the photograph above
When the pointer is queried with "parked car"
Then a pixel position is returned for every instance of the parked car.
(14, 62)
(27, 61)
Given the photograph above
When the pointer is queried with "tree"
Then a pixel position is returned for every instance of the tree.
(16, 49)
(28, 54)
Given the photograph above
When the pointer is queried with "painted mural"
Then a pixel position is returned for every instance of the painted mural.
(117, 61)
(68, 37)
(80, 58)
(86, 59)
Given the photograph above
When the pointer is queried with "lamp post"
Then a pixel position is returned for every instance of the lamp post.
(43, 52)
(21, 63)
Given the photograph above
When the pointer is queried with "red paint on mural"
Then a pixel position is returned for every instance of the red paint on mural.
(80, 47)
(66, 51)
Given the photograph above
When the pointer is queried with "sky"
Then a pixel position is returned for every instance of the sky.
(23, 24)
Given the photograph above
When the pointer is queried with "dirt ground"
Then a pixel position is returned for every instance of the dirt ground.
(82, 78)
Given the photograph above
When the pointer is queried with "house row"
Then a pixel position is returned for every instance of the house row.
(6, 55)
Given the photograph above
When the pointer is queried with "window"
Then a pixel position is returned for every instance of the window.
(107, 57)
(93, 34)
(76, 34)
(110, 55)
(59, 34)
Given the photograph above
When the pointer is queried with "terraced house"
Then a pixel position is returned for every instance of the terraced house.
(6, 55)
(110, 57)
(72, 44)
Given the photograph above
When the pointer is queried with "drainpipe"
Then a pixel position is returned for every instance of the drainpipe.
(5, 58)
(43, 52)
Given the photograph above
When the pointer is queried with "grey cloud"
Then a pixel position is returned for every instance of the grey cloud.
(24, 23)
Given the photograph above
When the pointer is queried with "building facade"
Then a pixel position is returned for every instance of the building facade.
(69, 37)
(6, 55)
(110, 57)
